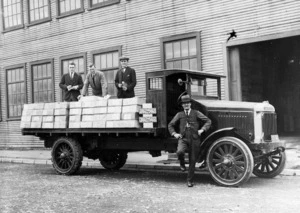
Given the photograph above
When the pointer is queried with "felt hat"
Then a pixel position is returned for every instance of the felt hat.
(185, 99)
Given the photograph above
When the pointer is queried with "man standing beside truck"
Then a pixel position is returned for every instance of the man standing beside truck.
(125, 79)
(71, 83)
(190, 130)
(97, 80)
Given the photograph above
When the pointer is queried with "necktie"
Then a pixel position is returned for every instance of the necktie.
(93, 77)
(187, 119)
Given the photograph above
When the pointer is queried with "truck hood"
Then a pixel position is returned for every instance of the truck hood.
(236, 105)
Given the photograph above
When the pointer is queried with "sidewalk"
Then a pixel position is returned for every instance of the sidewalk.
(136, 160)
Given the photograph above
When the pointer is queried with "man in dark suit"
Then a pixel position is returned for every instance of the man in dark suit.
(125, 79)
(190, 130)
(71, 83)
(97, 80)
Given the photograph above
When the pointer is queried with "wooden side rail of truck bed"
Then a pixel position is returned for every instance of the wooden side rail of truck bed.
(117, 131)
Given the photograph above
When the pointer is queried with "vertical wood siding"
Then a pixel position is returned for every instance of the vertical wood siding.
(137, 26)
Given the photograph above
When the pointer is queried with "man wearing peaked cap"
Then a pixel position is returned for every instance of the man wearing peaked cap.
(123, 58)
(125, 79)
(190, 130)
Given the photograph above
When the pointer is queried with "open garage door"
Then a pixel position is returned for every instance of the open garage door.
(269, 70)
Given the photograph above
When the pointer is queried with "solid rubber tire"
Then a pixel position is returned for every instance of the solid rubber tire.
(245, 153)
(70, 146)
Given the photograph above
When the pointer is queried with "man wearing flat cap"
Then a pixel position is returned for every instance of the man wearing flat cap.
(190, 130)
(97, 80)
(125, 79)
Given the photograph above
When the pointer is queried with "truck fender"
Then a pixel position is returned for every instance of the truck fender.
(204, 146)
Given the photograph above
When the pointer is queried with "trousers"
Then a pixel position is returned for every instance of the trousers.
(192, 145)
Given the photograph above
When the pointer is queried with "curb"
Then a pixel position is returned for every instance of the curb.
(91, 164)
(128, 166)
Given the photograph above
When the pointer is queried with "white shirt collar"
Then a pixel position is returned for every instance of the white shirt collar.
(189, 111)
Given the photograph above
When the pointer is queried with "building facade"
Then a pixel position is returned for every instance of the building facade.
(40, 37)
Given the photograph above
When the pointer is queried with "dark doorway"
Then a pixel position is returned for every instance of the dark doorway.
(270, 70)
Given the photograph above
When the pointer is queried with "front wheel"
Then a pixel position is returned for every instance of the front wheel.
(66, 156)
(230, 161)
(270, 166)
(113, 160)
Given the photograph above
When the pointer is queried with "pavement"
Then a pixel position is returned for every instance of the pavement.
(141, 160)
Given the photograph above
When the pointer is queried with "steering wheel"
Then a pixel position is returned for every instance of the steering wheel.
(179, 98)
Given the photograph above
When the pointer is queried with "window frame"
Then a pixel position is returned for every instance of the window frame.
(69, 13)
(16, 27)
(196, 35)
(30, 23)
(106, 50)
(22, 65)
(39, 62)
(69, 57)
(0, 106)
(102, 4)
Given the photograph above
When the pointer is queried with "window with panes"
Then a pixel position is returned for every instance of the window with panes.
(181, 54)
(69, 6)
(39, 10)
(16, 91)
(101, 3)
(12, 13)
(79, 66)
(108, 63)
(42, 79)
(182, 51)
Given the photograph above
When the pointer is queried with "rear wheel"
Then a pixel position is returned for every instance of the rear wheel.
(113, 160)
(230, 161)
(66, 156)
(270, 166)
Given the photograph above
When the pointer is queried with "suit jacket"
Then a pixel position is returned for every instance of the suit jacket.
(129, 79)
(195, 119)
(65, 81)
(98, 84)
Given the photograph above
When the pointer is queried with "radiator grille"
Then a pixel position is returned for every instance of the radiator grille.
(242, 121)
(269, 125)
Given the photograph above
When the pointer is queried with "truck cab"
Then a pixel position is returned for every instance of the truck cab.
(164, 87)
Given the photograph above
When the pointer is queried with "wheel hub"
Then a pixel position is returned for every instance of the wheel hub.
(228, 160)
(64, 155)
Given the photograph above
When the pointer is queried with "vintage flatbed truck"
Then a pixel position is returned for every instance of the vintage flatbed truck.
(243, 138)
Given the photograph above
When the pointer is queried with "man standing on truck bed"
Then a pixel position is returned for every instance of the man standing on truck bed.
(97, 80)
(125, 79)
(71, 83)
(189, 121)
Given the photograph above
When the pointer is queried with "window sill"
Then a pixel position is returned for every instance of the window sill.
(39, 22)
(70, 13)
(14, 119)
(102, 4)
(13, 28)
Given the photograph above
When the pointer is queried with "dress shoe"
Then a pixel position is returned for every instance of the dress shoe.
(182, 168)
(190, 184)
(203, 165)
